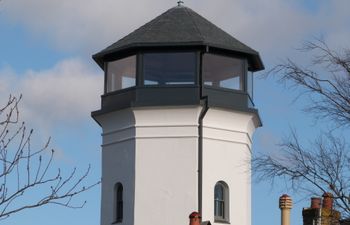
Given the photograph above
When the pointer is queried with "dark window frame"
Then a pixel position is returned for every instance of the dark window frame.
(224, 203)
(139, 82)
(199, 81)
(250, 92)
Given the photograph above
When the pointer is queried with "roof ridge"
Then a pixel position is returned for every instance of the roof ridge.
(195, 24)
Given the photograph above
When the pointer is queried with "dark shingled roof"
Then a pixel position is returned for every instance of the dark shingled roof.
(181, 26)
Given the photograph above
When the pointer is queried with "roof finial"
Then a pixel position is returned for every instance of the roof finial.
(179, 3)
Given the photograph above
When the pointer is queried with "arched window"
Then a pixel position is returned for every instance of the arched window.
(221, 201)
(118, 202)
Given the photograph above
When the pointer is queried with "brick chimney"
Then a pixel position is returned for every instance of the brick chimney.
(285, 204)
(195, 218)
(328, 215)
(327, 200)
(316, 202)
(312, 215)
(321, 214)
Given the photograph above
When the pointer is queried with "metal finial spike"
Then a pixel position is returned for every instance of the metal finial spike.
(179, 3)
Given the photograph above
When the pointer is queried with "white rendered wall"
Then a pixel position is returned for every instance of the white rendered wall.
(118, 164)
(166, 165)
(153, 152)
(226, 157)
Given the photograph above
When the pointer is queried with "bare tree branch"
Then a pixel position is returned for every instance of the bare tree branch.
(324, 165)
(329, 92)
(25, 170)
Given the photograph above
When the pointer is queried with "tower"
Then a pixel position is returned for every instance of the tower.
(321, 212)
(177, 117)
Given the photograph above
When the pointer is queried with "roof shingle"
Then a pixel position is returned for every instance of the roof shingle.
(180, 26)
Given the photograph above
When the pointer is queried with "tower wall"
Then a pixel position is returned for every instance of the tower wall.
(118, 164)
(166, 165)
(227, 143)
(153, 152)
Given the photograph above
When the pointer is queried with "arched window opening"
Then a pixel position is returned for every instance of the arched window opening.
(118, 203)
(221, 201)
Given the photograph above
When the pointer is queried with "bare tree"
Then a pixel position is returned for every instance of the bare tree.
(324, 165)
(329, 91)
(27, 172)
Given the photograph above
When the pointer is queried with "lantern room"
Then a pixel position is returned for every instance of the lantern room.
(178, 58)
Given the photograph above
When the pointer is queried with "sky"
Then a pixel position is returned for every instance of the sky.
(45, 54)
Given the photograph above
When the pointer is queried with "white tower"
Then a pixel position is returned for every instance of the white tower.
(177, 119)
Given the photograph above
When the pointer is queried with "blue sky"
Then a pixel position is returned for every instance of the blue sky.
(45, 53)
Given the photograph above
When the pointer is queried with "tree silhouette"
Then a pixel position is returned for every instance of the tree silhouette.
(323, 166)
(27, 172)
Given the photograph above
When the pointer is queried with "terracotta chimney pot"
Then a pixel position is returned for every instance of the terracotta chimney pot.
(195, 218)
(316, 202)
(327, 200)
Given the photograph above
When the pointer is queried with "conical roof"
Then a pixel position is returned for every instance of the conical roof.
(181, 26)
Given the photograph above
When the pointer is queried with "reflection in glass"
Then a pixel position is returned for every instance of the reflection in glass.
(169, 68)
(222, 71)
(121, 74)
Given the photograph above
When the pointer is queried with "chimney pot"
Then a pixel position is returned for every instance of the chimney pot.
(285, 202)
(316, 203)
(327, 200)
(195, 218)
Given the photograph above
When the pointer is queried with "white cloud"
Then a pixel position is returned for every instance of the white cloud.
(70, 89)
(62, 95)
(89, 25)
(79, 24)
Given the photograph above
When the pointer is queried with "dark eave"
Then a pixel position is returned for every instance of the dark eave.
(177, 27)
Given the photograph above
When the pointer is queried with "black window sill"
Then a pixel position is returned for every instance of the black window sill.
(118, 221)
(221, 221)
(240, 90)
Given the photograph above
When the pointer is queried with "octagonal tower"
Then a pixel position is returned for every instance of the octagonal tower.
(177, 116)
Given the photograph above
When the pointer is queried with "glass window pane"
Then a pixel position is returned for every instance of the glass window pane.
(121, 74)
(219, 209)
(118, 198)
(219, 192)
(221, 202)
(169, 68)
(222, 71)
